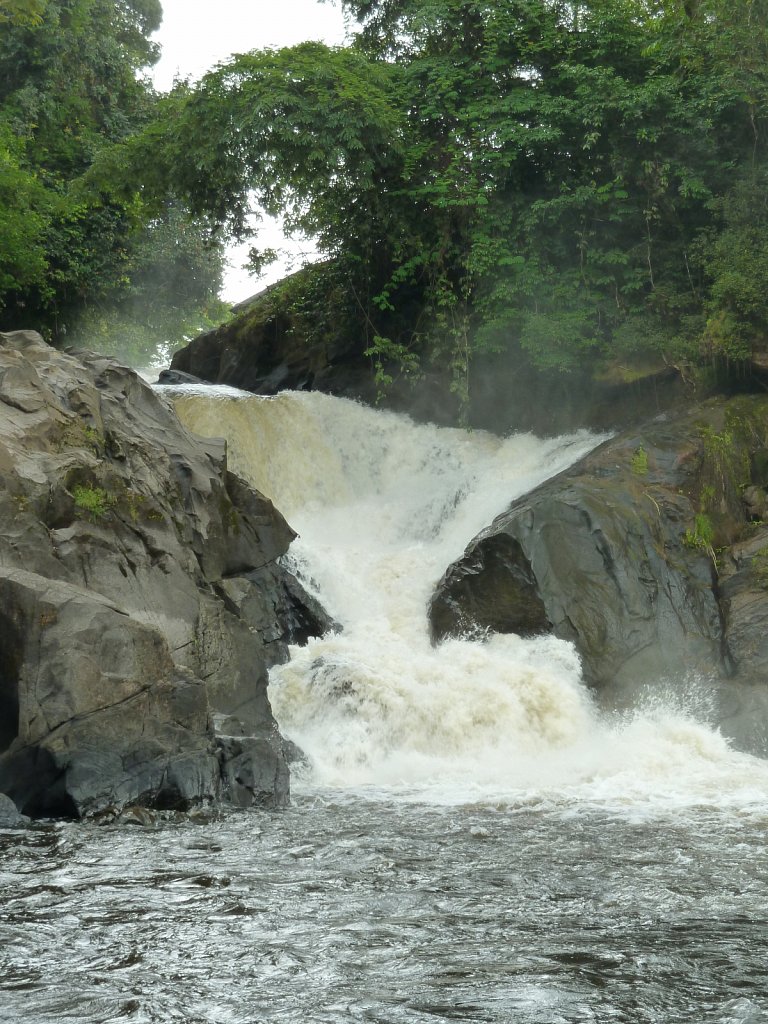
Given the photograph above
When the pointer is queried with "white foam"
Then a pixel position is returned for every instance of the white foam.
(382, 506)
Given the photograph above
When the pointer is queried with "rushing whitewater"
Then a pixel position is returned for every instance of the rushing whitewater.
(382, 506)
(475, 842)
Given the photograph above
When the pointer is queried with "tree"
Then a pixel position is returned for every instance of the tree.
(21, 12)
(74, 250)
(553, 178)
(172, 276)
(23, 217)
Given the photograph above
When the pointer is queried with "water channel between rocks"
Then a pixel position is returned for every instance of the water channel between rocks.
(473, 841)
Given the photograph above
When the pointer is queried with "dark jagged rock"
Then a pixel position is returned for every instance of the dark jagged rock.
(175, 377)
(642, 554)
(493, 588)
(120, 645)
(272, 344)
(274, 604)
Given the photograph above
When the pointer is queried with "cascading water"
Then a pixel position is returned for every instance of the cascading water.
(382, 506)
(475, 843)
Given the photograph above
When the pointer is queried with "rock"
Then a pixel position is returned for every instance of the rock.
(9, 815)
(298, 615)
(637, 555)
(253, 773)
(135, 815)
(173, 377)
(120, 647)
(104, 716)
(756, 502)
(272, 345)
(294, 754)
(743, 592)
(492, 589)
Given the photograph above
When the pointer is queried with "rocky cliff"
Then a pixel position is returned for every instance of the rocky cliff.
(141, 600)
(651, 555)
(301, 335)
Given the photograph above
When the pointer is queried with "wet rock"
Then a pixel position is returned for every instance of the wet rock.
(493, 588)
(119, 646)
(174, 377)
(292, 617)
(293, 754)
(743, 589)
(9, 814)
(638, 556)
(254, 770)
(140, 816)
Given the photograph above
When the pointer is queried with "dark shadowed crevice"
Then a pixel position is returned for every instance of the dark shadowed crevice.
(169, 798)
(52, 802)
(36, 783)
(494, 589)
(11, 656)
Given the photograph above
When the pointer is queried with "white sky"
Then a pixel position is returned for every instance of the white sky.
(196, 35)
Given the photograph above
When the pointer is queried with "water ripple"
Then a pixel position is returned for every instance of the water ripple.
(360, 910)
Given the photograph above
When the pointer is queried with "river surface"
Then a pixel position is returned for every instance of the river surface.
(349, 909)
(472, 839)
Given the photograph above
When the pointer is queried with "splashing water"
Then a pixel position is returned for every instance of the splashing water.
(382, 506)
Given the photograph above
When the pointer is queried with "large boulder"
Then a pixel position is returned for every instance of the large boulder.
(282, 339)
(125, 663)
(646, 556)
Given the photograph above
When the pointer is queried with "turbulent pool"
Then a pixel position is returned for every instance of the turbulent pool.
(473, 840)
(347, 909)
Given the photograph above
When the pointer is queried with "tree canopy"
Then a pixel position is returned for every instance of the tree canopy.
(21, 12)
(579, 181)
(78, 257)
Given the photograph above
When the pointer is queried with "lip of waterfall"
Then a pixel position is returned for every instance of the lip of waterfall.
(382, 506)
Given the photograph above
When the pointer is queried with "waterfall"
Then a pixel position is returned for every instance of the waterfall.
(382, 505)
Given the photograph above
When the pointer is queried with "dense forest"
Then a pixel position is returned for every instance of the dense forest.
(87, 261)
(580, 183)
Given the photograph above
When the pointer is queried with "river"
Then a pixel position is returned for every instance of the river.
(472, 838)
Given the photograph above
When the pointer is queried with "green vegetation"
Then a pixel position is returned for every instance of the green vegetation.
(728, 455)
(580, 185)
(94, 501)
(702, 535)
(572, 183)
(732, 458)
(639, 462)
(21, 12)
(134, 502)
(77, 434)
(82, 257)
(725, 471)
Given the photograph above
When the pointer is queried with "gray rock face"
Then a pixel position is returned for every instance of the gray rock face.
(643, 556)
(9, 816)
(121, 646)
